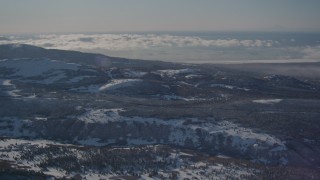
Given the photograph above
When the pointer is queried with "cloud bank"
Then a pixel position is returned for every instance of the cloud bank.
(172, 47)
(131, 41)
(311, 52)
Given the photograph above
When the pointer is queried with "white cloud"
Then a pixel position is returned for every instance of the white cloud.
(132, 41)
(312, 52)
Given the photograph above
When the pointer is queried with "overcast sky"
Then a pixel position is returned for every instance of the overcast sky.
(41, 16)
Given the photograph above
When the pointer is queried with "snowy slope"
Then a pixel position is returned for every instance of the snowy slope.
(172, 72)
(35, 67)
(119, 83)
(185, 130)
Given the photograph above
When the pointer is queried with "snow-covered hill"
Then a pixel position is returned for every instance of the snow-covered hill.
(60, 106)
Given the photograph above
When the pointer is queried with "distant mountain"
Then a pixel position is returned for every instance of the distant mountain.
(10, 51)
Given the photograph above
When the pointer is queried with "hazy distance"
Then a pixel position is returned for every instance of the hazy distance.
(44, 16)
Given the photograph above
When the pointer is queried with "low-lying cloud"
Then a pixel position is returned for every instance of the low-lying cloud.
(311, 52)
(132, 41)
(172, 48)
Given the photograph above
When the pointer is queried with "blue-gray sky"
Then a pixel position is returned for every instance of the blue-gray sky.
(40, 16)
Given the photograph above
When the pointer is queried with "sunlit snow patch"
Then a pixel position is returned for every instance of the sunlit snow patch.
(101, 116)
(171, 72)
(14, 93)
(267, 101)
(119, 83)
(193, 76)
(5, 82)
(228, 87)
(240, 138)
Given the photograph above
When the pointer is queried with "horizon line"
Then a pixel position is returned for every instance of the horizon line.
(159, 31)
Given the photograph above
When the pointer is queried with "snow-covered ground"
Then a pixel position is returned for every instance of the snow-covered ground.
(41, 71)
(101, 116)
(119, 83)
(14, 93)
(267, 101)
(171, 72)
(193, 76)
(6, 143)
(12, 150)
(112, 85)
(78, 79)
(5, 82)
(49, 78)
(20, 154)
(36, 67)
(240, 138)
(229, 87)
(12, 127)
(134, 74)
(175, 97)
